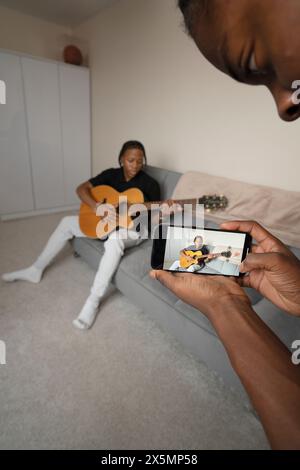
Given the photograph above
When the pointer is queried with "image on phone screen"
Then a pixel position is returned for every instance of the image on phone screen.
(201, 251)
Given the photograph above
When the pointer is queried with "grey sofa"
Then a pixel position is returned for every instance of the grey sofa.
(187, 324)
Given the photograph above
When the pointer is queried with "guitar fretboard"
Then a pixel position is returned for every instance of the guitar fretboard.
(180, 202)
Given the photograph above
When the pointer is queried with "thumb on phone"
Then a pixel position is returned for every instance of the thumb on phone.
(265, 261)
(164, 277)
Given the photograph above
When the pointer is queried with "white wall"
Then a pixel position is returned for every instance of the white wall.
(30, 35)
(150, 82)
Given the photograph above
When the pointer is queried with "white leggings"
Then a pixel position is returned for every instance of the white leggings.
(114, 247)
(192, 269)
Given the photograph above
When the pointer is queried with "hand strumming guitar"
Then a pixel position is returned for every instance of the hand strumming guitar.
(187, 257)
(110, 210)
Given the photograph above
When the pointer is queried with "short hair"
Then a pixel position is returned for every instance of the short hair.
(191, 9)
(198, 236)
(131, 145)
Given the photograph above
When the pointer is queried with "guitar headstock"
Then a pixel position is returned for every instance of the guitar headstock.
(226, 254)
(213, 202)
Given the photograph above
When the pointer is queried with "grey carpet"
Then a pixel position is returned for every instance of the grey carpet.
(125, 384)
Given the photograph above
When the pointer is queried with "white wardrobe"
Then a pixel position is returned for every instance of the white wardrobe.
(45, 135)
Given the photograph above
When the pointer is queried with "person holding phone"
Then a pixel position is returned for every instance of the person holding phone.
(256, 43)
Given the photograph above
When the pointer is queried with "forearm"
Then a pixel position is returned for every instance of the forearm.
(264, 366)
(85, 196)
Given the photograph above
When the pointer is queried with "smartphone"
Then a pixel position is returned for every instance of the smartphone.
(199, 251)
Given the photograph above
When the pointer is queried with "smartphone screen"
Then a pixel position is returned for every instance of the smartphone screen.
(200, 251)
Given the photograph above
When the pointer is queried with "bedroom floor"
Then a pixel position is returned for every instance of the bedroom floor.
(125, 384)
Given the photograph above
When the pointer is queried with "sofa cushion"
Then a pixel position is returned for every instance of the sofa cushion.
(296, 251)
(136, 262)
(158, 290)
(195, 316)
(89, 249)
(136, 265)
(167, 180)
(286, 327)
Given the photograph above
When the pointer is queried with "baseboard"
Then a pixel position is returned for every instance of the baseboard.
(21, 215)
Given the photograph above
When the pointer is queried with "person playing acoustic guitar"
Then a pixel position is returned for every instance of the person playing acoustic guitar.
(130, 175)
(198, 246)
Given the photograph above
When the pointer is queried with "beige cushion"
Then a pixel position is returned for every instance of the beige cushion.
(276, 209)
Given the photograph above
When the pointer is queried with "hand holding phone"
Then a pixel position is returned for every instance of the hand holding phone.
(209, 280)
(273, 269)
(211, 295)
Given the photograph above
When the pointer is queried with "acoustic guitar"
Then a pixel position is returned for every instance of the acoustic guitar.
(198, 256)
(89, 221)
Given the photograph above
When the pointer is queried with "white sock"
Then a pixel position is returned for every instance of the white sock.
(88, 313)
(31, 274)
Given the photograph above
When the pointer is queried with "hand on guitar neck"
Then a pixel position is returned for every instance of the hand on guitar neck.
(170, 207)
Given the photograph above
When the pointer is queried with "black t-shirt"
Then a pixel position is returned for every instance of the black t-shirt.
(114, 177)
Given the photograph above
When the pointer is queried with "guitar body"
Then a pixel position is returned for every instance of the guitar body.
(184, 263)
(198, 255)
(88, 220)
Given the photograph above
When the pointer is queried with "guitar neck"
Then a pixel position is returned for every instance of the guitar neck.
(180, 202)
(215, 255)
